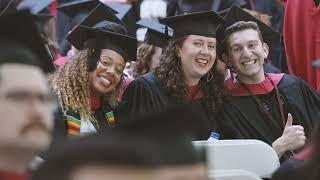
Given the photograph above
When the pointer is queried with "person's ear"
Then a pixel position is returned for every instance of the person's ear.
(265, 50)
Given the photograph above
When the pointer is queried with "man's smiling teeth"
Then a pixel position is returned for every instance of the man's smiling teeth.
(248, 62)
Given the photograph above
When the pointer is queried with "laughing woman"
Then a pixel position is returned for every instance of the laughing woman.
(88, 85)
(186, 74)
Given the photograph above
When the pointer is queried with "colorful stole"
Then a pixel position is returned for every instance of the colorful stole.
(73, 126)
(110, 118)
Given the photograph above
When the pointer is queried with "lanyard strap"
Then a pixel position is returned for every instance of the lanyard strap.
(263, 110)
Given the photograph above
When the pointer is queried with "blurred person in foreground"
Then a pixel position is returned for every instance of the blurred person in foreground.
(162, 151)
(26, 102)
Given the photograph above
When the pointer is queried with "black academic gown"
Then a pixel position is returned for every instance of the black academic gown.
(242, 119)
(144, 96)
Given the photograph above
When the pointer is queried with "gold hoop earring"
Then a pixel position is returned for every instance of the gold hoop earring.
(209, 76)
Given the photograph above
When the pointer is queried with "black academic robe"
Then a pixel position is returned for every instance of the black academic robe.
(144, 96)
(242, 119)
(292, 169)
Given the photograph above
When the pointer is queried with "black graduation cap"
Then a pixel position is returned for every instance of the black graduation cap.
(122, 9)
(20, 28)
(239, 4)
(98, 14)
(235, 14)
(98, 38)
(40, 9)
(157, 34)
(35, 6)
(77, 10)
(203, 23)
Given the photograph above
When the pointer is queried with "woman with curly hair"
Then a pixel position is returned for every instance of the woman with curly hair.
(186, 74)
(88, 85)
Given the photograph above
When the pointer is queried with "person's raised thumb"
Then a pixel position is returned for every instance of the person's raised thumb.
(289, 120)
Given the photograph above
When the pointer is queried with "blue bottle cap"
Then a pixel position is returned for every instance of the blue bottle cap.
(215, 135)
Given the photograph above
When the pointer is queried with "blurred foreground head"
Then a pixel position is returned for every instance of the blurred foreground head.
(118, 155)
(26, 104)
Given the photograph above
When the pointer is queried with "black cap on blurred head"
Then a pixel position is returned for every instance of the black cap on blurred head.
(116, 149)
(97, 38)
(200, 23)
(175, 126)
(174, 121)
(40, 10)
(157, 34)
(20, 29)
(235, 14)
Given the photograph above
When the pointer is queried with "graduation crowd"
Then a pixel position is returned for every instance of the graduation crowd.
(119, 89)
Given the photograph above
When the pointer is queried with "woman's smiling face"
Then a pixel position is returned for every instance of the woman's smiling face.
(108, 73)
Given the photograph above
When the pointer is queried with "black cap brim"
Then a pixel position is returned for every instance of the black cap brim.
(235, 14)
(77, 10)
(200, 23)
(88, 37)
(122, 9)
(98, 14)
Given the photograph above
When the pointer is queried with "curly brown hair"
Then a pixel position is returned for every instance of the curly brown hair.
(144, 55)
(170, 66)
(72, 86)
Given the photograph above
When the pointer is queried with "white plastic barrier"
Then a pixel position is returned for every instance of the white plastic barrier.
(251, 155)
(232, 174)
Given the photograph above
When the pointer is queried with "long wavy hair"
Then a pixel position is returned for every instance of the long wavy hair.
(144, 55)
(170, 66)
(72, 86)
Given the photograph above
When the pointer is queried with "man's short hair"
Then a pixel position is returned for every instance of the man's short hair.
(240, 26)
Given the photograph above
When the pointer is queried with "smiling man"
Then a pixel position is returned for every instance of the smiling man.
(26, 104)
(279, 109)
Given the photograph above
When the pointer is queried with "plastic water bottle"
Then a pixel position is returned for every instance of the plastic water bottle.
(214, 136)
